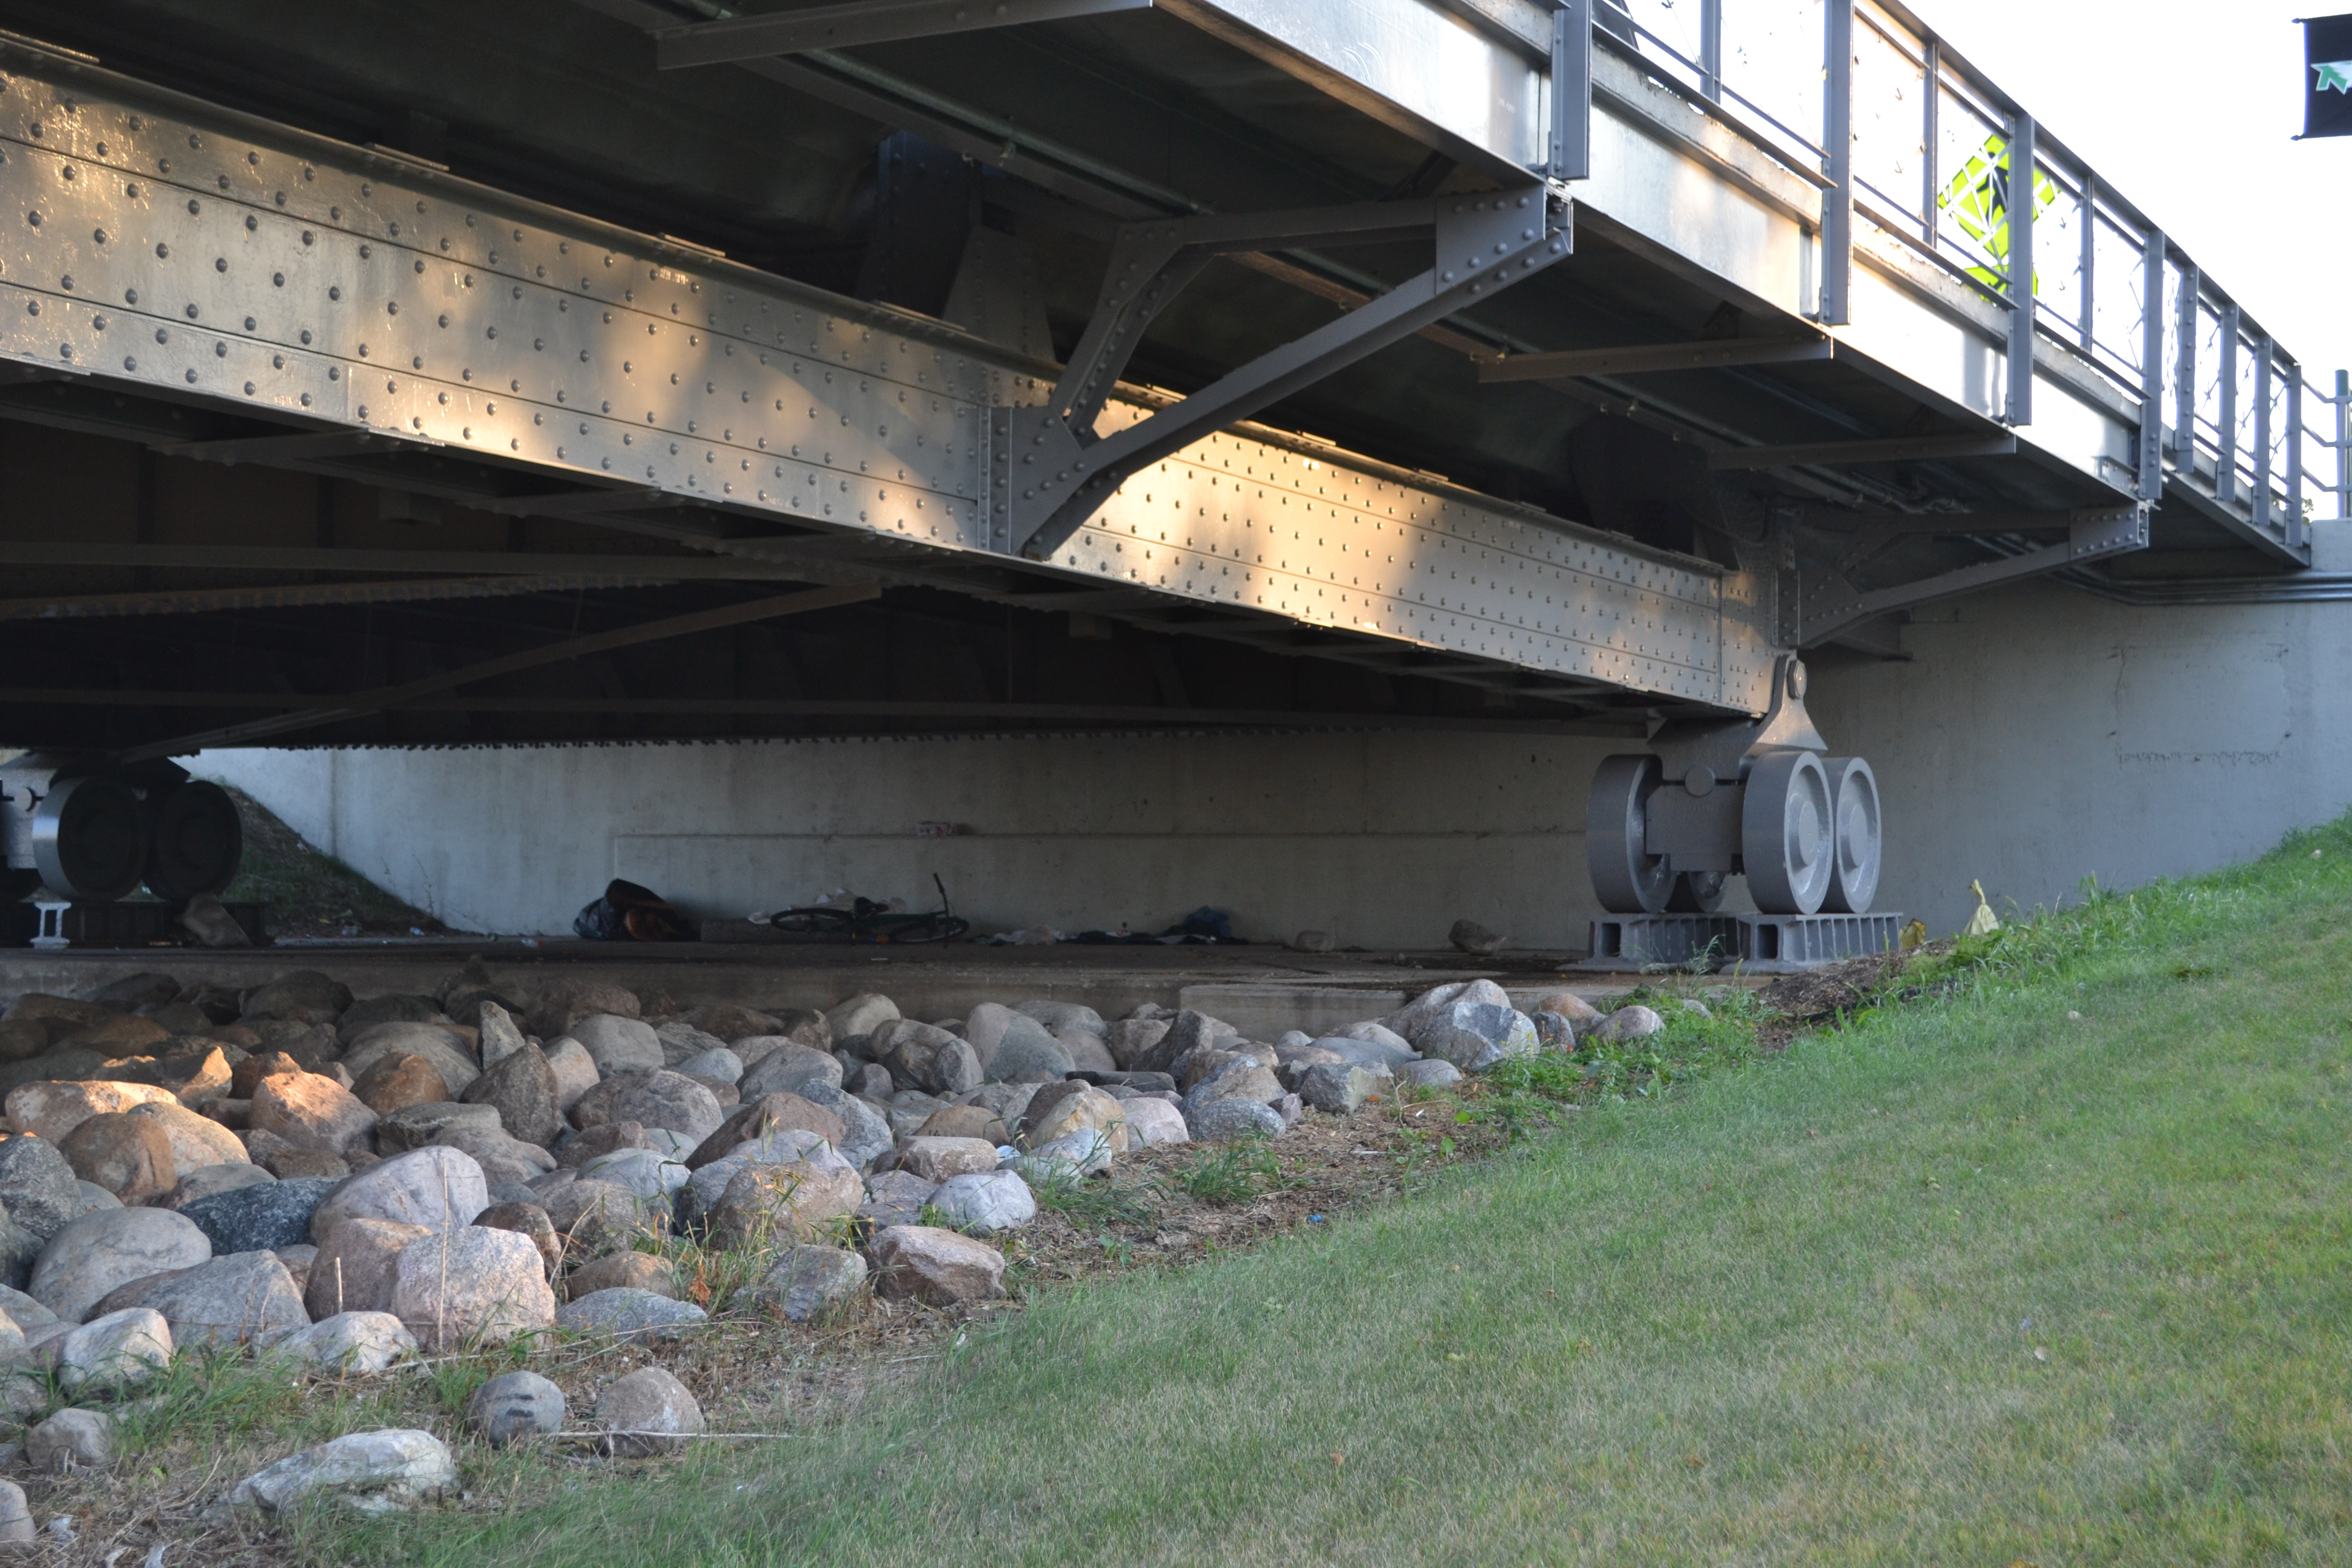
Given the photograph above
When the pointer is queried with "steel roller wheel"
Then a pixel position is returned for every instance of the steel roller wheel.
(1785, 833)
(1628, 878)
(1853, 864)
(1697, 892)
(196, 840)
(90, 838)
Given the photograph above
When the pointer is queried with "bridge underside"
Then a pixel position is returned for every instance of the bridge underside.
(428, 336)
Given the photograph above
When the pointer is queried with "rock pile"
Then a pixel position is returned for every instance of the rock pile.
(341, 1183)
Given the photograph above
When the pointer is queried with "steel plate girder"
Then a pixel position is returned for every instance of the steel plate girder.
(166, 245)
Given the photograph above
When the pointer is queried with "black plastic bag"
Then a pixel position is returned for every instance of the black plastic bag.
(628, 913)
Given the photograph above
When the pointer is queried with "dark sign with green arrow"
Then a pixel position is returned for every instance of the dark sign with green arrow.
(2328, 76)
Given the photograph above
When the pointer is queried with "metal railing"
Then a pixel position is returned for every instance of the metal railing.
(1929, 150)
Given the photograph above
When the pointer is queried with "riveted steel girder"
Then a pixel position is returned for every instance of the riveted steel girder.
(169, 247)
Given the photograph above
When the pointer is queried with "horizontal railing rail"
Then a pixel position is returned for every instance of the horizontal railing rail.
(1929, 151)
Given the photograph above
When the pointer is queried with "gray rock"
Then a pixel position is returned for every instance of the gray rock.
(119, 1351)
(866, 1134)
(895, 1197)
(19, 1250)
(16, 1527)
(500, 1035)
(434, 1187)
(207, 1181)
(471, 1286)
(936, 1266)
(100, 1252)
(682, 1042)
(717, 1062)
(860, 1015)
(523, 1090)
(355, 1342)
(371, 1471)
(1471, 937)
(37, 1185)
(1028, 1052)
(1152, 1120)
(784, 1070)
(1340, 1086)
(870, 1081)
(1554, 1031)
(1059, 1016)
(261, 1217)
(645, 1172)
(1390, 1053)
(305, 996)
(647, 1412)
(23, 1311)
(513, 1406)
(1475, 1035)
(929, 1058)
(416, 1126)
(73, 1439)
(623, 1312)
(658, 1100)
(986, 1202)
(1221, 1120)
(575, 1072)
(246, 1297)
(361, 1016)
(809, 1282)
(1436, 1073)
(1240, 1079)
(1633, 1022)
(1130, 1037)
(442, 1048)
(1186, 1032)
(1069, 1157)
(94, 1196)
(618, 1044)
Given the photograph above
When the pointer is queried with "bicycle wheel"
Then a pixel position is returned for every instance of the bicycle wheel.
(925, 927)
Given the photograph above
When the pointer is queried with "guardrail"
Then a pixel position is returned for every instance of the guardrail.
(1930, 151)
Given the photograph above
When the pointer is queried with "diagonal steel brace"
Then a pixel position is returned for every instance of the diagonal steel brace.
(1050, 470)
(2094, 534)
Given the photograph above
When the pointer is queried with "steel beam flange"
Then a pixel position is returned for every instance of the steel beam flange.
(1050, 472)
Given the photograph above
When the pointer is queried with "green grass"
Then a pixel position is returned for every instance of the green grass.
(1974, 1280)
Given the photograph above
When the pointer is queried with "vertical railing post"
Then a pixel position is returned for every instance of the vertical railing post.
(2020, 217)
(2225, 441)
(2343, 445)
(2090, 258)
(2151, 369)
(1710, 48)
(2184, 373)
(2296, 535)
(2263, 349)
(1930, 155)
(1572, 91)
(1837, 143)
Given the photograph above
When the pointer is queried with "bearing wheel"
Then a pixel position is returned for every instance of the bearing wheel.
(90, 838)
(1785, 835)
(1628, 878)
(1853, 867)
(1697, 892)
(198, 841)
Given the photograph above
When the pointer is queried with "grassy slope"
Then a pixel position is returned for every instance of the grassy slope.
(1776, 1320)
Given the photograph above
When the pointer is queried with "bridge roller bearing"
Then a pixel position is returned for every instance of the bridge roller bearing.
(1697, 892)
(195, 839)
(1786, 839)
(1854, 864)
(90, 837)
(1628, 878)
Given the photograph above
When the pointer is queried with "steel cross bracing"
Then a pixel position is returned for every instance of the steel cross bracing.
(183, 251)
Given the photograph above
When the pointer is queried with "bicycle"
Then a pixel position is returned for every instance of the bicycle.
(865, 921)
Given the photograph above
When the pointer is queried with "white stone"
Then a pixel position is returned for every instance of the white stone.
(370, 1470)
(355, 1342)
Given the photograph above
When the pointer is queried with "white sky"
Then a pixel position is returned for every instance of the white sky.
(2189, 109)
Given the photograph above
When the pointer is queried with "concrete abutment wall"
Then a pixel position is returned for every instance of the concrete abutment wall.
(2037, 736)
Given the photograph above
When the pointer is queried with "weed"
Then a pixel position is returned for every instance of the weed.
(1231, 1173)
(1091, 1202)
